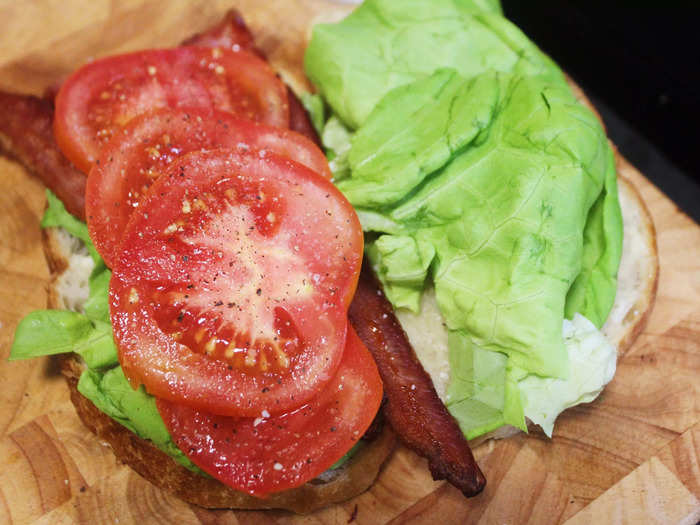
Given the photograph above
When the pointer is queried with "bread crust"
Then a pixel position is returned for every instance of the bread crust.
(638, 316)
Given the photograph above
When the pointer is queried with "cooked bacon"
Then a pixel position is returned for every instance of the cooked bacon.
(26, 135)
(412, 406)
(233, 33)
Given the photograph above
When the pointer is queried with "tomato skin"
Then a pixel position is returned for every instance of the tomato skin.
(192, 280)
(102, 96)
(271, 454)
(150, 142)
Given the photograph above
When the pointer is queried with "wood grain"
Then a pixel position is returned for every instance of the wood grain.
(631, 456)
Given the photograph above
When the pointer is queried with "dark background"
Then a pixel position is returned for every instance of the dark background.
(641, 68)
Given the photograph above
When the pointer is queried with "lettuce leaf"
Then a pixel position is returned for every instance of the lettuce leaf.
(57, 216)
(135, 409)
(593, 292)
(476, 171)
(414, 131)
(50, 332)
(316, 109)
(384, 44)
(336, 141)
(483, 394)
(504, 216)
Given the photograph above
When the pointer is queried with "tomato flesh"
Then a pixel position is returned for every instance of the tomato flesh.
(230, 293)
(149, 143)
(102, 96)
(274, 453)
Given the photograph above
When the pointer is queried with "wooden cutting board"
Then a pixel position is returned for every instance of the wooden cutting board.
(630, 457)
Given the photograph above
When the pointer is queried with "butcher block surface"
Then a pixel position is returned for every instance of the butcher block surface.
(632, 456)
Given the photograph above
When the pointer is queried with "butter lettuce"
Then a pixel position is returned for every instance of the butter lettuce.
(384, 44)
(57, 216)
(503, 218)
(593, 292)
(476, 171)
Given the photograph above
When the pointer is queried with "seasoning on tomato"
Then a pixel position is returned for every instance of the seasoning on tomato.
(231, 290)
(140, 152)
(102, 96)
(274, 453)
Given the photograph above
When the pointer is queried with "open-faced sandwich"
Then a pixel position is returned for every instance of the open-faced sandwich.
(217, 323)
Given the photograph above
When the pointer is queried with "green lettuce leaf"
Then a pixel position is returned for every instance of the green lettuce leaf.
(387, 43)
(316, 109)
(50, 332)
(482, 395)
(478, 172)
(505, 215)
(593, 292)
(414, 131)
(89, 334)
(135, 409)
(57, 216)
(97, 305)
(336, 141)
(403, 263)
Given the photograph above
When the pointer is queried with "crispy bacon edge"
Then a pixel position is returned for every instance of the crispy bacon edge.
(412, 406)
(26, 135)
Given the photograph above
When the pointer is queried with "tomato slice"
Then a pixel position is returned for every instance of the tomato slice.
(149, 143)
(274, 453)
(231, 290)
(104, 95)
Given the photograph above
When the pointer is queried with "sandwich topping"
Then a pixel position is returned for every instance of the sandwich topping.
(271, 453)
(236, 302)
(143, 149)
(104, 95)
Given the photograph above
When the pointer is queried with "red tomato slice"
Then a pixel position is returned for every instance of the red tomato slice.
(231, 291)
(274, 453)
(149, 143)
(104, 95)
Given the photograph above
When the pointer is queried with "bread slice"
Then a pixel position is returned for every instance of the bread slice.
(70, 266)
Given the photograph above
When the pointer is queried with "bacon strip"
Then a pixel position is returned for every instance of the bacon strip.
(26, 134)
(413, 408)
(233, 33)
